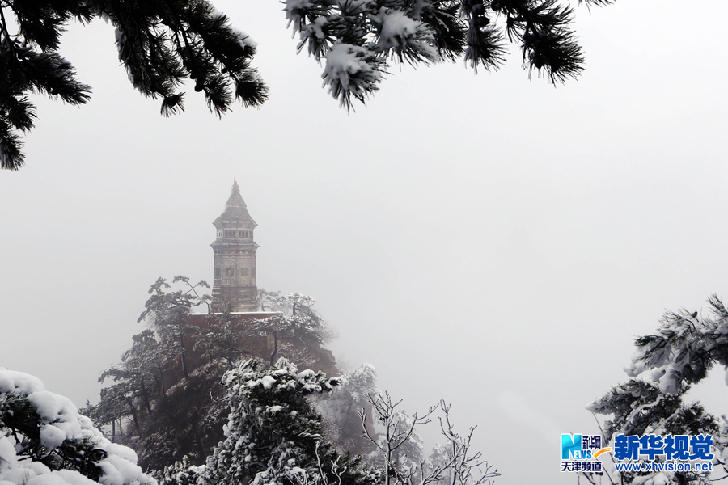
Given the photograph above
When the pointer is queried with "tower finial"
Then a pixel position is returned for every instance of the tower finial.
(236, 187)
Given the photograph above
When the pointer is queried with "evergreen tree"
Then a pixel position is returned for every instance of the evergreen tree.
(167, 312)
(136, 382)
(224, 337)
(43, 439)
(120, 400)
(166, 398)
(140, 374)
(667, 364)
(187, 420)
(173, 404)
(296, 330)
(112, 409)
(163, 42)
(273, 434)
(356, 39)
(160, 42)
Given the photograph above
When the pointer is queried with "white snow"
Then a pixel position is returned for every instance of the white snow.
(60, 421)
(396, 27)
(265, 381)
(268, 381)
(403, 35)
(344, 61)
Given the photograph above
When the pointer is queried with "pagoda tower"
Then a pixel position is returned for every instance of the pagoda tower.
(234, 287)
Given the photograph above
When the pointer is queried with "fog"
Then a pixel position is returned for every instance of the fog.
(489, 239)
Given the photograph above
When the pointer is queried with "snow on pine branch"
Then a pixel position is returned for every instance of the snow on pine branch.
(166, 44)
(404, 37)
(351, 33)
(45, 441)
(669, 362)
(352, 71)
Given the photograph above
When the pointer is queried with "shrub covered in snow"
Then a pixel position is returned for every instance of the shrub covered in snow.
(45, 441)
(274, 434)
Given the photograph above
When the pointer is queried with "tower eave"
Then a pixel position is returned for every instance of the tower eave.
(222, 219)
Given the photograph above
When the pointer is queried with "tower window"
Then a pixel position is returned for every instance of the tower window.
(229, 271)
(217, 273)
(243, 271)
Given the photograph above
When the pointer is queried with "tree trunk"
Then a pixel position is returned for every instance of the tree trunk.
(390, 470)
(134, 417)
(145, 396)
(182, 352)
(160, 381)
(275, 348)
(198, 438)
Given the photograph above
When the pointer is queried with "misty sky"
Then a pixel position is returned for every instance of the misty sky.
(486, 238)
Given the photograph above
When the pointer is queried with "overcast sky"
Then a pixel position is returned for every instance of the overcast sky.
(486, 238)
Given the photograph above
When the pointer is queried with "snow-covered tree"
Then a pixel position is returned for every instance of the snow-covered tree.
(170, 403)
(187, 419)
(394, 433)
(44, 440)
(184, 418)
(273, 434)
(183, 473)
(666, 365)
(140, 376)
(165, 397)
(340, 409)
(453, 461)
(160, 42)
(440, 457)
(357, 39)
(396, 438)
(120, 401)
(167, 311)
(297, 321)
(113, 408)
(222, 338)
(164, 42)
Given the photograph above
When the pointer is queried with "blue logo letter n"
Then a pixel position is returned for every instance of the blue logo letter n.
(569, 445)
